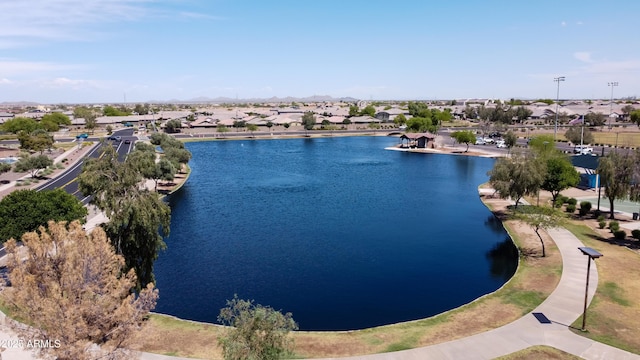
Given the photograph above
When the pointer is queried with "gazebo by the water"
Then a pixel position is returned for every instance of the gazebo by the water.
(418, 140)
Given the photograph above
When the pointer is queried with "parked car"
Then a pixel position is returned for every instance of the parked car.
(582, 149)
(501, 144)
(480, 141)
(489, 140)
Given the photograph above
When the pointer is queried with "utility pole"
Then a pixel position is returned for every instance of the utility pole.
(612, 85)
(555, 130)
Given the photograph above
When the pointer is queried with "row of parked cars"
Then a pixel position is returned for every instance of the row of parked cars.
(489, 140)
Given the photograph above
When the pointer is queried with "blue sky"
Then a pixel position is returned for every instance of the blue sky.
(76, 51)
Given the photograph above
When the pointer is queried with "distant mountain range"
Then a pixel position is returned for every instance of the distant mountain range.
(274, 99)
(218, 100)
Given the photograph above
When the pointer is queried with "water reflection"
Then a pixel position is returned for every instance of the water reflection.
(501, 257)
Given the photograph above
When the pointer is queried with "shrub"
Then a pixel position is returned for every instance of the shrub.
(600, 217)
(602, 224)
(620, 234)
(597, 213)
(585, 205)
(571, 208)
(614, 226)
(561, 199)
(635, 234)
(572, 201)
(558, 203)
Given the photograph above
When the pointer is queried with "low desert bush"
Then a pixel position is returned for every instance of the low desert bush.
(620, 234)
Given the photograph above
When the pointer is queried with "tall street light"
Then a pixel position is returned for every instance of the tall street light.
(558, 79)
(592, 254)
(612, 85)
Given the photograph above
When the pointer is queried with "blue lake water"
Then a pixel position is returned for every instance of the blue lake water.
(338, 231)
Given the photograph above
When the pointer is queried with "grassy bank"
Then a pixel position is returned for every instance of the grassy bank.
(612, 317)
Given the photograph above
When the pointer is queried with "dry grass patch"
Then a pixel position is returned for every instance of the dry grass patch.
(539, 352)
(168, 335)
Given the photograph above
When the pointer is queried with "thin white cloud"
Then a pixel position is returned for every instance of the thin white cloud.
(613, 67)
(69, 84)
(5, 81)
(579, 23)
(63, 19)
(563, 24)
(194, 15)
(583, 56)
(9, 68)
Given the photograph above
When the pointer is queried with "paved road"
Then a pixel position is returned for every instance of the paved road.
(68, 179)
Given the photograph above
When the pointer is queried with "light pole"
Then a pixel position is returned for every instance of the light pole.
(591, 254)
(555, 130)
(612, 84)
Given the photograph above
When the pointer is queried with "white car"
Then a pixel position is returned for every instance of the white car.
(480, 141)
(501, 144)
(583, 149)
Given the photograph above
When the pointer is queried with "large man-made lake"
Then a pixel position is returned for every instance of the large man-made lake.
(338, 231)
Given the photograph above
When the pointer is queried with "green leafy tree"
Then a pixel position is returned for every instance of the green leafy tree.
(89, 116)
(541, 218)
(286, 125)
(522, 113)
(18, 124)
(239, 124)
(400, 119)
(517, 176)
(112, 111)
(39, 140)
(173, 126)
(616, 172)
(252, 128)
(177, 156)
(627, 110)
(33, 164)
(4, 167)
(420, 124)
(596, 119)
(308, 121)
(559, 175)
(510, 139)
(257, 333)
(23, 211)
(269, 125)
(368, 111)
(542, 144)
(464, 137)
(222, 129)
(165, 141)
(577, 133)
(138, 218)
(354, 110)
(141, 109)
(635, 117)
(58, 118)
